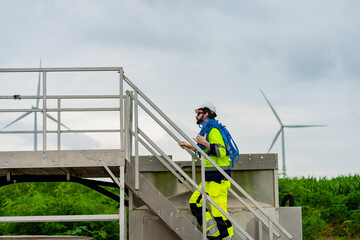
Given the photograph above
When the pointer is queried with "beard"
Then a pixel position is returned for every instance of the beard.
(200, 121)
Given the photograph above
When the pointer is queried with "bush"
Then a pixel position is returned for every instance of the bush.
(37, 199)
(330, 207)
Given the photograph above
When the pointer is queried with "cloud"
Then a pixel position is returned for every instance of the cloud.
(303, 55)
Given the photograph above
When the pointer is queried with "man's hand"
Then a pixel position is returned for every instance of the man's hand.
(202, 140)
(186, 144)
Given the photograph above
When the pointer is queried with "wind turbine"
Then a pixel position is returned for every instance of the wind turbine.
(282, 126)
(35, 115)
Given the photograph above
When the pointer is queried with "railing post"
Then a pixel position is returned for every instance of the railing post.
(260, 229)
(35, 131)
(122, 203)
(121, 103)
(193, 169)
(58, 124)
(271, 233)
(203, 190)
(122, 152)
(126, 127)
(44, 113)
(276, 189)
(128, 124)
(136, 113)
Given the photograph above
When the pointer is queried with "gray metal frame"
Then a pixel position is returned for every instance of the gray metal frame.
(59, 131)
(126, 132)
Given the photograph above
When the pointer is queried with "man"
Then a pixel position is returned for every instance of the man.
(216, 185)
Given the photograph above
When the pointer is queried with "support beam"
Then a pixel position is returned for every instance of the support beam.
(60, 218)
(93, 184)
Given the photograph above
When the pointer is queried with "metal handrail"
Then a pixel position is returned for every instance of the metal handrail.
(64, 131)
(80, 69)
(61, 96)
(46, 97)
(191, 152)
(59, 131)
(185, 176)
(157, 120)
(178, 169)
(162, 114)
(63, 110)
(136, 133)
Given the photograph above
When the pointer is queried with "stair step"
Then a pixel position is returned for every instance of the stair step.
(161, 206)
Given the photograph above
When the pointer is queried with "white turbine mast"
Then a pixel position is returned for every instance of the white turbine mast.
(282, 126)
(35, 114)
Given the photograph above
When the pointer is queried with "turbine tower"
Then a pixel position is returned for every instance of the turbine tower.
(35, 115)
(282, 126)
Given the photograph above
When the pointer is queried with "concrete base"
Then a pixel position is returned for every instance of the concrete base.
(290, 219)
(152, 226)
(145, 225)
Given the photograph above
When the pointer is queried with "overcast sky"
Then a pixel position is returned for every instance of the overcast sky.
(304, 55)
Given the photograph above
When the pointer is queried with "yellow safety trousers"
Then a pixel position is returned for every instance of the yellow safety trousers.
(217, 225)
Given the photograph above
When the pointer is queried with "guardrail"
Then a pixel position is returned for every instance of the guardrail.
(128, 115)
(44, 110)
(267, 220)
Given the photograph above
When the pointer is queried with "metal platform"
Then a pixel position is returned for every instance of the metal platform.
(78, 163)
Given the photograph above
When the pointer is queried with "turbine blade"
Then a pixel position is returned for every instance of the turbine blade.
(303, 126)
(276, 115)
(19, 118)
(275, 138)
(57, 121)
(38, 89)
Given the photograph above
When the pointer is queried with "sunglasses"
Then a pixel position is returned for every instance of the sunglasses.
(198, 113)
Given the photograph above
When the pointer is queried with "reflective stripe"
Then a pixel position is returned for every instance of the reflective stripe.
(214, 169)
(212, 231)
(217, 151)
(210, 223)
(220, 146)
(211, 227)
(229, 238)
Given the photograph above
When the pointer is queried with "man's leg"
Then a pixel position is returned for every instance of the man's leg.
(218, 192)
(196, 209)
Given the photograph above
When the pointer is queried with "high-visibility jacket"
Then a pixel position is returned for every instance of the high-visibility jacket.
(217, 152)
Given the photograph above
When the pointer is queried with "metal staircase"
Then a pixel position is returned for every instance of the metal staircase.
(133, 99)
(131, 137)
(161, 206)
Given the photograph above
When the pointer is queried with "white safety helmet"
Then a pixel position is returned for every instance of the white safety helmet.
(208, 105)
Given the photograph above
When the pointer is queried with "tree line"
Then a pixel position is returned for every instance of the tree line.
(330, 207)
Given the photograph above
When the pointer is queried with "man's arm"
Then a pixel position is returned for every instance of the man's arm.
(199, 139)
(186, 144)
(202, 140)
